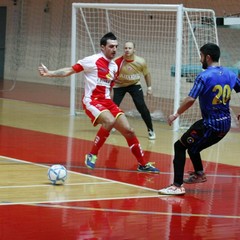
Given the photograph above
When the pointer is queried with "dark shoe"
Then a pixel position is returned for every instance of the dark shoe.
(195, 178)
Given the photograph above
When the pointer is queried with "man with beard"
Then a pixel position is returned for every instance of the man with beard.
(213, 87)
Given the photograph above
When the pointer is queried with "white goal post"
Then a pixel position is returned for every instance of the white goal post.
(167, 36)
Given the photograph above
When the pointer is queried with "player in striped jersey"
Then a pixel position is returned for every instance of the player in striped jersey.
(213, 88)
(99, 72)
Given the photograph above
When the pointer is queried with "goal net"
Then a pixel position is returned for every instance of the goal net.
(167, 36)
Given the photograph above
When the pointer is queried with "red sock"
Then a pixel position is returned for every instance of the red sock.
(99, 140)
(136, 149)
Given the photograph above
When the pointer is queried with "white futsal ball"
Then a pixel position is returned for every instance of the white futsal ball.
(57, 174)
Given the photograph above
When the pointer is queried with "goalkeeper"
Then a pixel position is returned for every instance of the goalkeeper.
(131, 67)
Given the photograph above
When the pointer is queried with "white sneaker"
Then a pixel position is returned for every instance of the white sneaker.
(172, 190)
(151, 135)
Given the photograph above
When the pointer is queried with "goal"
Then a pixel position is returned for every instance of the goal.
(167, 36)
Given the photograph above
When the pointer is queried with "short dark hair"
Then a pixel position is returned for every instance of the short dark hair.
(106, 37)
(212, 50)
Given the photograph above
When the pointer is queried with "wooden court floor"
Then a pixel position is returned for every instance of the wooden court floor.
(113, 201)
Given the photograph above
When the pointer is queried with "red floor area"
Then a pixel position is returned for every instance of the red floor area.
(125, 219)
(208, 211)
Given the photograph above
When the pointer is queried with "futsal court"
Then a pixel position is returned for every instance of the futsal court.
(113, 201)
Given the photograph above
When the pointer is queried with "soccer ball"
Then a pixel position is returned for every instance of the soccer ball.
(57, 174)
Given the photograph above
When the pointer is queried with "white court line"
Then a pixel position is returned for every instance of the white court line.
(140, 211)
(208, 175)
(77, 173)
(45, 203)
(107, 181)
(76, 200)
(51, 185)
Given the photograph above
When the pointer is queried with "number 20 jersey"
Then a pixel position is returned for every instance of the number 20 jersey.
(214, 87)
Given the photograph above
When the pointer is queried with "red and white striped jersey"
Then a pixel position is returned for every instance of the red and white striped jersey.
(99, 73)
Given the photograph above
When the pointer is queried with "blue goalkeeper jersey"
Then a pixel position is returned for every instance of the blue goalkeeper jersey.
(213, 87)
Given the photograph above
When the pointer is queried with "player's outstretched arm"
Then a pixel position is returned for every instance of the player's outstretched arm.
(62, 72)
(185, 105)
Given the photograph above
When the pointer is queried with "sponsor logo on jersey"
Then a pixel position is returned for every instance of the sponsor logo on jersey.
(103, 82)
(129, 77)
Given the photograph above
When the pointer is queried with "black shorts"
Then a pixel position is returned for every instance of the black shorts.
(199, 137)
